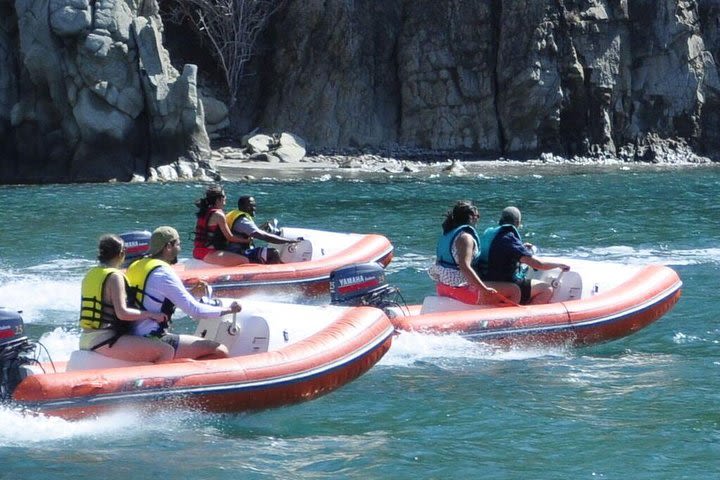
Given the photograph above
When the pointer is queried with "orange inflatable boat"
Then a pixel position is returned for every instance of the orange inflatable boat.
(280, 354)
(305, 269)
(592, 303)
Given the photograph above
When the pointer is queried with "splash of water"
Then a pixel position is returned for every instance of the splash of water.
(21, 428)
(411, 347)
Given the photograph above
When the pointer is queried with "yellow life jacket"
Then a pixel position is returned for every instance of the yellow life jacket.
(137, 275)
(95, 312)
(233, 217)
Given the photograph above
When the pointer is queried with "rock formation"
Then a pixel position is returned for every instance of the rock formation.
(498, 78)
(87, 93)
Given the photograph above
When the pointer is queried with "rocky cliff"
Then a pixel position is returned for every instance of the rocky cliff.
(500, 78)
(88, 92)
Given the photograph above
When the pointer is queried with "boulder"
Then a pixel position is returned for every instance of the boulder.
(216, 112)
(260, 143)
(291, 148)
(455, 168)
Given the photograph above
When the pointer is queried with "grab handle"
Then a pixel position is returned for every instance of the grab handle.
(556, 281)
(233, 328)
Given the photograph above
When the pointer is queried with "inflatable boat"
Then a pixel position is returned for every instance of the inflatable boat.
(594, 302)
(279, 354)
(305, 269)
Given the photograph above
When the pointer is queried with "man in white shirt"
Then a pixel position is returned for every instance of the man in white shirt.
(159, 289)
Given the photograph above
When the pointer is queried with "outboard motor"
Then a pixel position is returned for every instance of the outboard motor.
(137, 244)
(362, 284)
(14, 350)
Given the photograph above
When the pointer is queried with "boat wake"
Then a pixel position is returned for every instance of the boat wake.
(22, 428)
(447, 351)
(42, 298)
(642, 256)
(410, 261)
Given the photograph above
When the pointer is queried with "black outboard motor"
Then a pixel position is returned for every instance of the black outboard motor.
(137, 244)
(14, 350)
(361, 284)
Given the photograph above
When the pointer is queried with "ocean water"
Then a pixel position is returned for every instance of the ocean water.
(643, 407)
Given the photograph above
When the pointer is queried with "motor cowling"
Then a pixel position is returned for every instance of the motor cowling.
(14, 350)
(360, 284)
(137, 245)
(12, 328)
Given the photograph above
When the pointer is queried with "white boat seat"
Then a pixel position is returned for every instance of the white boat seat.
(88, 360)
(436, 303)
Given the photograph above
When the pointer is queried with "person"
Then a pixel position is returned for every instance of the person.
(105, 317)
(457, 253)
(158, 288)
(242, 224)
(212, 233)
(502, 253)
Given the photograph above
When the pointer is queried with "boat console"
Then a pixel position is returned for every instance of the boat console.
(567, 285)
(241, 334)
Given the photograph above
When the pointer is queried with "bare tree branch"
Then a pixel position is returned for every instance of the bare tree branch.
(231, 27)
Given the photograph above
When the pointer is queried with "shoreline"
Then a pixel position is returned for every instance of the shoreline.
(369, 167)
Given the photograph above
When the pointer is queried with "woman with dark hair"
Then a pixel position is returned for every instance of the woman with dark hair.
(105, 317)
(457, 256)
(212, 232)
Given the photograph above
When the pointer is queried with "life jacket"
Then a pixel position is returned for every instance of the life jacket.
(209, 236)
(95, 312)
(443, 251)
(233, 217)
(486, 241)
(137, 275)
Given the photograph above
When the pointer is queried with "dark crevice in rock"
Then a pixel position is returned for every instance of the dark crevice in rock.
(496, 15)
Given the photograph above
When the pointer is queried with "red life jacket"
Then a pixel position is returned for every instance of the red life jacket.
(210, 236)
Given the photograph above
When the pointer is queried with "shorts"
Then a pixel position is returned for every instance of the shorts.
(201, 252)
(172, 339)
(525, 285)
(90, 339)
(254, 255)
(257, 254)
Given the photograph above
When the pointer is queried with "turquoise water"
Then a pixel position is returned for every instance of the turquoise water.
(644, 407)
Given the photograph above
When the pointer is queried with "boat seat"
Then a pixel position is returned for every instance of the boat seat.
(436, 303)
(87, 360)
